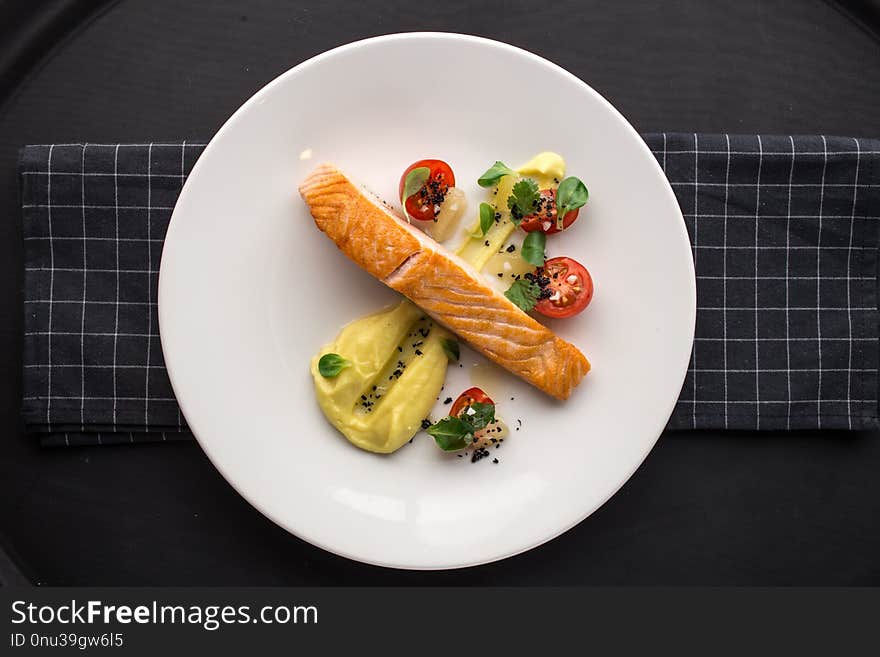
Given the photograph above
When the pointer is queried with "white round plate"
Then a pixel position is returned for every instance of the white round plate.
(249, 290)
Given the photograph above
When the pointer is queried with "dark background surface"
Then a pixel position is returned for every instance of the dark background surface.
(704, 508)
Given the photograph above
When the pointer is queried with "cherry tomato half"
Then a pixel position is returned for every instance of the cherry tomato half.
(468, 397)
(570, 287)
(421, 205)
(546, 214)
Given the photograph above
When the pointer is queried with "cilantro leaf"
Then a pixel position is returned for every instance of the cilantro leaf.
(482, 416)
(331, 365)
(450, 346)
(524, 199)
(523, 293)
(451, 433)
(495, 173)
(533, 246)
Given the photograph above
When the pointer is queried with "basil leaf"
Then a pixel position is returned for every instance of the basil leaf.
(523, 293)
(487, 217)
(482, 416)
(450, 346)
(413, 182)
(451, 434)
(495, 173)
(571, 195)
(524, 200)
(533, 248)
(331, 365)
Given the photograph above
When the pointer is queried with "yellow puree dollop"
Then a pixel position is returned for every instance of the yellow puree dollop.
(383, 418)
(379, 401)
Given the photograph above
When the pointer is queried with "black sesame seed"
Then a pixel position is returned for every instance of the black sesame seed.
(426, 423)
(511, 248)
(448, 400)
(493, 460)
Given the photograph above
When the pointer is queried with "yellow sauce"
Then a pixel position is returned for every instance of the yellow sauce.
(547, 169)
(400, 351)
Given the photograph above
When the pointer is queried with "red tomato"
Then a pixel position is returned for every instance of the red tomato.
(546, 213)
(468, 397)
(420, 205)
(570, 287)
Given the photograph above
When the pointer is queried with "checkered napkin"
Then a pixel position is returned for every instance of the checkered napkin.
(784, 234)
(95, 217)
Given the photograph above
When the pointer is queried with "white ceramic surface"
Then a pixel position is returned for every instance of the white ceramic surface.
(249, 289)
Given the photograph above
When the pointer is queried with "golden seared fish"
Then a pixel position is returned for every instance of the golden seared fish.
(440, 282)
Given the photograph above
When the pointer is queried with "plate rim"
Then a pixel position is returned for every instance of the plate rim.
(255, 99)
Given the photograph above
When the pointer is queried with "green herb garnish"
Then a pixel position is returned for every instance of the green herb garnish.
(483, 415)
(331, 365)
(413, 182)
(524, 293)
(450, 346)
(451, 434)
(532, 249)
(487, 217)
(495, 173)
(571, 195)
(524, 200)
(454, 433)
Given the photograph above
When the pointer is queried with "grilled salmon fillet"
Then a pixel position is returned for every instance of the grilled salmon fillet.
(445, 286)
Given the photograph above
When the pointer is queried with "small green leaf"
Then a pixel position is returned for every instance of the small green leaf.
(413, 182)
(524, 200)
(495, 173)
(533, 248)
(451, 434)
(482, 416)
(571, 195)
(450, 346)
(331, 365)
(487, 217)
(523, 293)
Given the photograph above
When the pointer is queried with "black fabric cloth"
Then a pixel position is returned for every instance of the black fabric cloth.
(784, 235)
(95, 218)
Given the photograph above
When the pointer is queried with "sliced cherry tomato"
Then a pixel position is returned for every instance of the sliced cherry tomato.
(569, 285)
(468, 397)
(425, 202)
(544, 218)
